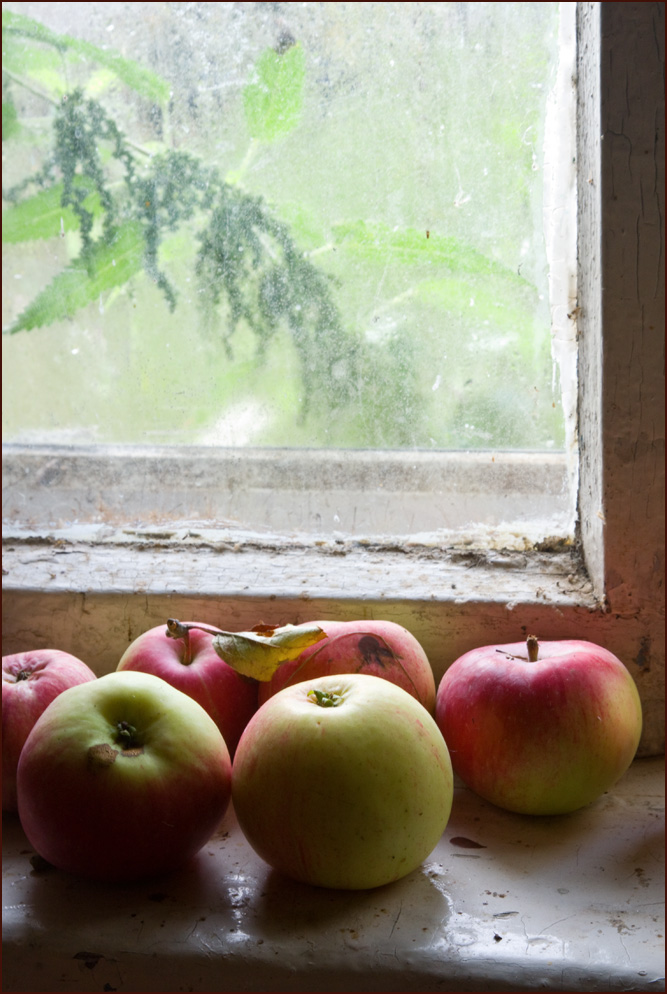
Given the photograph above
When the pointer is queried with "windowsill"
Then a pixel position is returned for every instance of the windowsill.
(194, 560)
(92, 589)
(567, 903)
(122, 581)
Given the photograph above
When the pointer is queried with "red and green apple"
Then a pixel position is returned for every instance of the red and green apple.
(539, 728)
(122, 778)
(30, 681)
(379, 648)
(191, 665)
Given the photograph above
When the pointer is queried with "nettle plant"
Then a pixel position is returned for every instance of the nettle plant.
(129, 204)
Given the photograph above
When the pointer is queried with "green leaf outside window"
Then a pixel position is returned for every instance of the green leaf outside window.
(273, 101)
(43, 216)
(82, 282)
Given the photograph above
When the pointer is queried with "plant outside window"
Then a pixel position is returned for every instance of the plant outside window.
(301, 225)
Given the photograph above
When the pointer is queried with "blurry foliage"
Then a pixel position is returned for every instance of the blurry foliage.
(246, 258)
(250, 269)
(16, 29)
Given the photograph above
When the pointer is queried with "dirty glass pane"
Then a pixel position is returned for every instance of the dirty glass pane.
(279, 224)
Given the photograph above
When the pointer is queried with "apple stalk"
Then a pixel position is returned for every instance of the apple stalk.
(532, 647)
(181, 630)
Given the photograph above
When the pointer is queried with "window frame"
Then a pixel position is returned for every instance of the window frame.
(93, 591)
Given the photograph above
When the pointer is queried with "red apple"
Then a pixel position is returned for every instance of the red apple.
(379, 648)
(539, 728)
(30, 681)
(342, 781)
(122, 778)
(192, 665)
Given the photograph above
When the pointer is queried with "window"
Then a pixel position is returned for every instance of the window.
(85, 568)
(386, 328)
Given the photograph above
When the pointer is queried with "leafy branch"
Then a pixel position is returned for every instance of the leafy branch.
(129, 207)
(18, 28)
(247, 261)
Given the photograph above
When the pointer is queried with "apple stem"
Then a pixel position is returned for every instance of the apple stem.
(533, 646)
(177, 629)
(181, 630)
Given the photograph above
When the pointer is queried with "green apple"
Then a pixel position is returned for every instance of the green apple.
(122, 778)
(342, 781)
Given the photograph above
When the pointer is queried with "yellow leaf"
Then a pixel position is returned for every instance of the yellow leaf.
(259, 652)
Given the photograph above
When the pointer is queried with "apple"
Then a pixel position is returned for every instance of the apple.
(122, 778)
(381, 648)
(192, 665)
(539, 728)
(30, 681)
(342, 781)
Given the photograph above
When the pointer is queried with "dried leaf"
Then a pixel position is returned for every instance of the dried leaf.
(259, 652)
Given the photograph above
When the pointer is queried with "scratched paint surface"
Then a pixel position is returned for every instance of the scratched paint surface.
(504, 902)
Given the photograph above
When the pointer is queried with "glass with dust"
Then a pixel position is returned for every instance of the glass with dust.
(290, 226)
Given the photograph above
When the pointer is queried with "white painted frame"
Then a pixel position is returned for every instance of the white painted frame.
(92, 591)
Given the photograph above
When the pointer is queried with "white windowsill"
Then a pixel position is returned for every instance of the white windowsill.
(570, 903)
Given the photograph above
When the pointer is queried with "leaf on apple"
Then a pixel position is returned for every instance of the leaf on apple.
(259, 652)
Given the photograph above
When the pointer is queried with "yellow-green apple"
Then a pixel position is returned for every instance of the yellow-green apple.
(191, 664)
(342, 781)
(539, 728)
(380, 648)
(122, 778)
(30, 681)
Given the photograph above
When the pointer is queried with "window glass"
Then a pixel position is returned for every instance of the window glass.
(285, 224)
